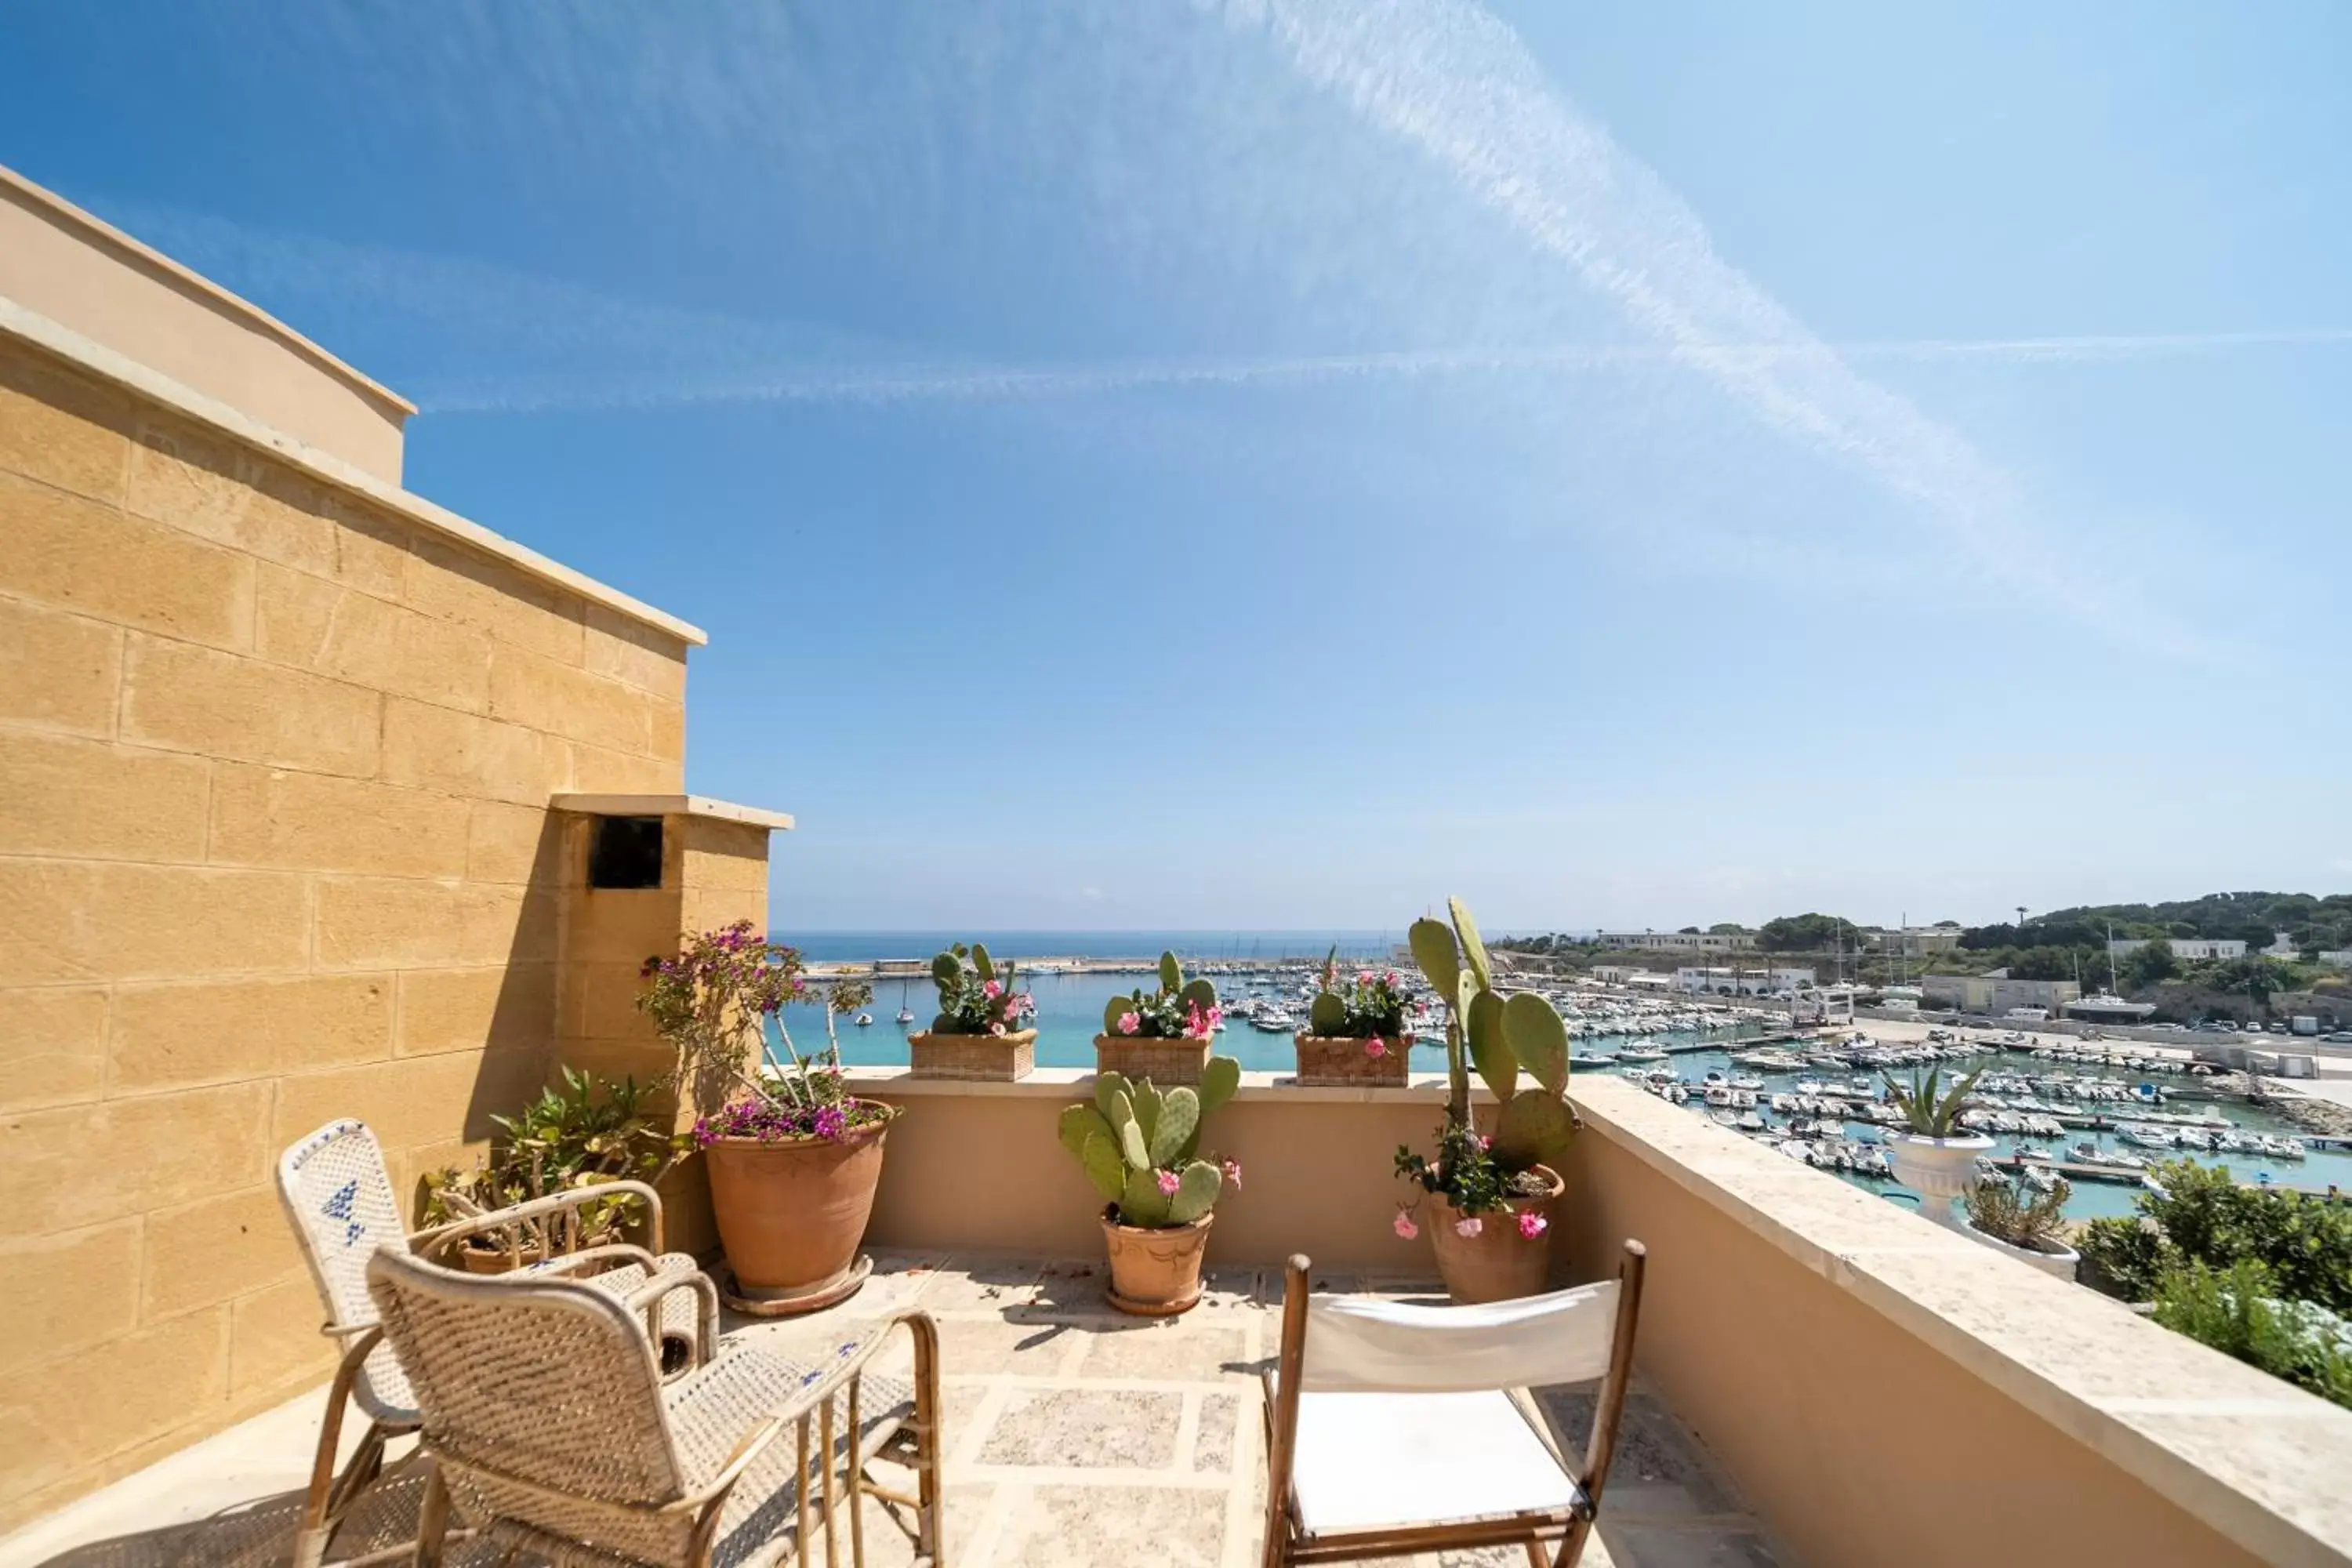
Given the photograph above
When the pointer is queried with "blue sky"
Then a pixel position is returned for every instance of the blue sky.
(1146, 463)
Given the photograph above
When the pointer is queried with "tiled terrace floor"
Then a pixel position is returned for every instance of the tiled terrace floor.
(1074, 1436)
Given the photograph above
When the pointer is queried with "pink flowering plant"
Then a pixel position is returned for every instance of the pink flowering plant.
(1481, 1173)
(1371, 1008)
(1178, 1009)
(720, 1005)
(1140, 1146)
(977, 996)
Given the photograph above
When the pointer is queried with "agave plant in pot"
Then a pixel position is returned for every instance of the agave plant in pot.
(1355, 1030)
(1487, 1198)
(1140, 1147)
(794, 1157)
(1164, 1034)
(2008, 1216)
(979, 1032)
(1933, 1155)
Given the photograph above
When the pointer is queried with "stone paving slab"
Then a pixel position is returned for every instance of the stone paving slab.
(1072, 1434)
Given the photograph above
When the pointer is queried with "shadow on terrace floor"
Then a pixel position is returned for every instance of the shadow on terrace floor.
(1074, 1436)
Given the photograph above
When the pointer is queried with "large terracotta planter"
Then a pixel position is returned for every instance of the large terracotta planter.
(1336, 1060)
(1155, 1273)
(1497, 1264)
(1166, 1063)
(979, 1058)
(790, 1215)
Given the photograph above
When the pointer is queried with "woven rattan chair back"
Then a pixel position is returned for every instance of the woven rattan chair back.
(541, 1400)
(337, 1195)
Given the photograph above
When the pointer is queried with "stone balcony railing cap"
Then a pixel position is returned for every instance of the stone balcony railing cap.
(671, 805)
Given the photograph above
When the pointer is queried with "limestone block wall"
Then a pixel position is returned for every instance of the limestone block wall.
(274, 760)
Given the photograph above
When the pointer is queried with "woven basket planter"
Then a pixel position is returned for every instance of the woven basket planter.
(978, 1058)
(1337, 1061)
(1165, 1062)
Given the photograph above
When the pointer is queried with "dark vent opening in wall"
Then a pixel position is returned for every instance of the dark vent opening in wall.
(626, 852)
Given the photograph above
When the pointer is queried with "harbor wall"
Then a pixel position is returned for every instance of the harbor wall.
(277, 743)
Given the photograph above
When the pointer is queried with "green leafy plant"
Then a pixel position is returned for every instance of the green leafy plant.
(1371, 1008)
(1178, 1009)
(975, 998)
(2195, 1213)
(582, 1132)
(1926, 1113)
(1139, 1145)
(2238, 1311)
(2010, 1211)
(1502, 1037)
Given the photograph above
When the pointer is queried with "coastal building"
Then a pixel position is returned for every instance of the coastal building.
(1917, 941)
(1732, 981)
(2183, 948)
(1995, 993)
(1677, 942)
(2336, 958)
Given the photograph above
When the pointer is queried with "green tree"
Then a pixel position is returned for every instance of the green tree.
(2147, 966)
(1808, 934)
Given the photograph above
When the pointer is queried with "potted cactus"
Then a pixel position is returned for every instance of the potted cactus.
(1355, 1030)
(979, 1032)
(1139, 1146)
(1487, 1198)
(1932, 1155)
(1164, 1036)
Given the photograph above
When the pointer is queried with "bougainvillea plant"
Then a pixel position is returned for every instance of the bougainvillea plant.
(721, 1004)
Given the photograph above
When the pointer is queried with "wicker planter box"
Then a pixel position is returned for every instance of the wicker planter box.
(1165, 1062)
(984, 1059)
(1330, 1060)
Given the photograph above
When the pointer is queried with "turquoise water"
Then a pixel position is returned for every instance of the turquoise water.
(1070, 1008)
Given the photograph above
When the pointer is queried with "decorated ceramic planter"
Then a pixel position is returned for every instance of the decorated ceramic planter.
(1166, 1062)
(1937, 1169)
(1338, 1060)
(982, 1058)
(1498, 1261)
(1155, 1273)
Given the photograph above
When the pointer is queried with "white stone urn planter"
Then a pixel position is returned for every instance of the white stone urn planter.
(2060, 1263)
(1937, 1169)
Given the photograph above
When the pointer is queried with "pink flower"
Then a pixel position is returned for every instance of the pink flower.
(1129, 1023)
(1233, 1174)
(992, 989)
(1485, 1142)
(1466, 1228)
(1532, 1225)
(1168, 1184)
(1216, 1016)
(1402, 1225)
(996, 1028)
(1375, 1047)
(1391, 977)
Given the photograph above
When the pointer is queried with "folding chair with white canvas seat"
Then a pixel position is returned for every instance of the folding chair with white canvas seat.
(1362, 1384)
(552, 1434)
(337, 1195)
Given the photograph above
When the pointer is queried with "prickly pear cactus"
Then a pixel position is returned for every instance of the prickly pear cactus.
(1140, 1146)
(1501, 1037)
(1176, 1009)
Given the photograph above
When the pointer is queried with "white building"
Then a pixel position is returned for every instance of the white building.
(2337, 958)
(1693, 982)
(2183, 947)
(1677, 942)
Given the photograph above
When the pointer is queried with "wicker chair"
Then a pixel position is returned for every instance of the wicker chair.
(339, 1197)
(553, 1433)
(1361, 1382)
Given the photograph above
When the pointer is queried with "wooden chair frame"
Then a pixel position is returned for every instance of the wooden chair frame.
(1286, 1539)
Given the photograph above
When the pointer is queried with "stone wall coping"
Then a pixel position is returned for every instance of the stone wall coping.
(671, 805)
(63, 342)
(95, 231)
(2254, 1457)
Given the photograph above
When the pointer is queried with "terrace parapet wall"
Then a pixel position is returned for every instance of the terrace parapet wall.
(1882, 1389)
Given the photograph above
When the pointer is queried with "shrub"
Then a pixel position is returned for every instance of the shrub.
(2238, 1311)
(2012, 1212)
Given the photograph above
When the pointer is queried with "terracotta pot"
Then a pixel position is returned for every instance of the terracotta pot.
(790, 1215)
(1166, 1063)
(980, 1058)
(499, 1260)
(1336, 1060)
(1497, 1264)
(1155, 1273)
